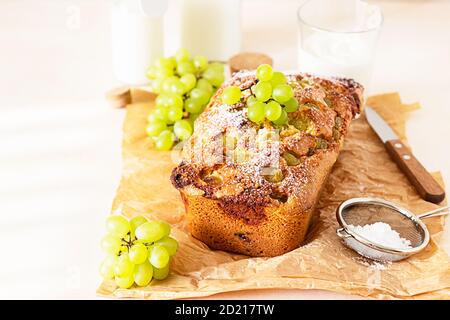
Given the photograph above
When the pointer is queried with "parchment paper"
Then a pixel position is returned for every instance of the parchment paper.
(363, 169)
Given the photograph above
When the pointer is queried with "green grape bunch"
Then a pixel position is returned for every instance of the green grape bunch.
(184, 86)
(138, 250)
(271, 98)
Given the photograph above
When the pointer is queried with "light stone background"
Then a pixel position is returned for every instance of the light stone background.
(60, 142)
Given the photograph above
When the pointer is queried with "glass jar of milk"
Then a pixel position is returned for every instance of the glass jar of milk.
(137, 37)
(338, 38)
(211, 27)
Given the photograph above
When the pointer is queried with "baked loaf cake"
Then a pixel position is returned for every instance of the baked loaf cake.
(252, 188)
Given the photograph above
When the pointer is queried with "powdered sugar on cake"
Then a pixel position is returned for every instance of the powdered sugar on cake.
(228, 149)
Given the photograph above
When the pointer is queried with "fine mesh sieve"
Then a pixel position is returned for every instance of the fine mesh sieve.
(364, 211)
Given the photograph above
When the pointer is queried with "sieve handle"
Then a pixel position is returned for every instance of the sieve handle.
(435, 213)
(421, 179)
(342, 233)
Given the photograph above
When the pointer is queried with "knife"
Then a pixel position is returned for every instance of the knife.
(421, 179)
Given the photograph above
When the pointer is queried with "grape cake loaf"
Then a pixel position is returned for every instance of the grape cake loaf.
(252, 187)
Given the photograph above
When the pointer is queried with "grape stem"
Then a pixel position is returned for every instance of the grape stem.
(129, 243)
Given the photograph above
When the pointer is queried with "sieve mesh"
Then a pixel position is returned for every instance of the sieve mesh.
(369, 213)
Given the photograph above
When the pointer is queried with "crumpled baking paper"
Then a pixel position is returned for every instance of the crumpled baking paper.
(363, 169)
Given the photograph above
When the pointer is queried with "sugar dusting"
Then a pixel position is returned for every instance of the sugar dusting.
(256, 149)
(381, 233)
(254, 161)
(374, 265)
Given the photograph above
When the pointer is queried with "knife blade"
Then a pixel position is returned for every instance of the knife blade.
(421, 179)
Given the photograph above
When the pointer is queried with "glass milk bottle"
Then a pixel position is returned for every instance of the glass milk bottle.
(137, 37)
(211, 27)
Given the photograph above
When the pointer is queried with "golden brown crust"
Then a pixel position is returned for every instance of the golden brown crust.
(252, 188)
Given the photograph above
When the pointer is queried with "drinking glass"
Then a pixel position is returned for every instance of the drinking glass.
(338, 38)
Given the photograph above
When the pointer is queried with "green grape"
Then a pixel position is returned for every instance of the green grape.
(189, 81)
(231, 95)
(136, 222)
(170, 244)
(165, 63)
(125, 282)
(161, 273)
(164, 142)
(273, 110)
(166, 227)
(200, 95)
(107, 267)
(182, 129)
(200, 62)
(291, 105)
(138, 253)
(175, 101)
(124, 267)
(192, 118)
(185, 67)
(263, 91)
(151, 231)
(155, 128)
(217, 66)
(251, 100)
(118, 226)
(192, 105)
(283, 119)
(161, 114)
(256, 112)
(173, 61)
(150, 249)
(152, 72)
(152, 117)
(165, 73)
(205, 85)
(264, 72)
(278, 78)
(156, 85)
(162, 100)
(291, 158)
(160, 73)
(159, 257)
(182, 55)
(111, 244)
(214, 76)
(282, 93)
(143, 274)
(175, 114)
(173, 85)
